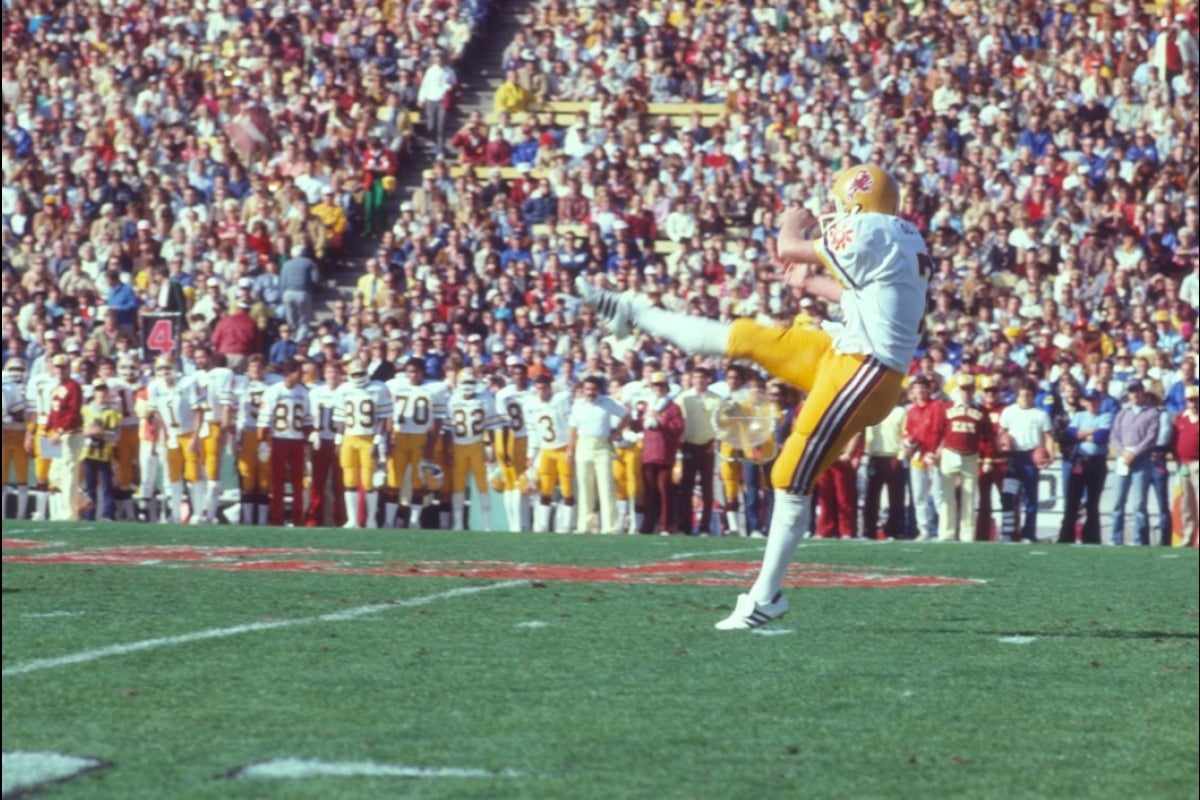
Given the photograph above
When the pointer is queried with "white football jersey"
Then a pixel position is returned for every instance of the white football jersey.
(38, 391)
(359, 411)
(322, 400)
(178, 405)
(218, 392)
(120, 398)
(15, 406)
(510, 403)
(416, 408)
(548, 419)
(285, 412)
(247, 398)
(884, 269)
(469, 418)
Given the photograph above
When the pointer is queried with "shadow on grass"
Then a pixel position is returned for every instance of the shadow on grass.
(1053, 635)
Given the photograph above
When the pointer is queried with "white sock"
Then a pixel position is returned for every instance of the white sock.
(541, 518)
(457, 501)
(247, 516)
(564, 518)
(41, 501)
(4, 501)
(699, 335)
(214, 500)
(484, 499)
(176, 501)
(789, 521)
(263, 513)
(22, 501)
(198, 500)
(351, 497)
(389, 514)
(372, 509)
(443, 517)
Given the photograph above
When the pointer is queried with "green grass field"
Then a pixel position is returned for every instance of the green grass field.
(473, 665)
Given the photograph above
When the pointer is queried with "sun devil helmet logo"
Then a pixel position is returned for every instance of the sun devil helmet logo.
(862, 182)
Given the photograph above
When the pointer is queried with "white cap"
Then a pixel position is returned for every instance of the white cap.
(513, 361)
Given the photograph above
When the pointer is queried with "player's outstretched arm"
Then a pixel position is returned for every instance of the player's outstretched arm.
(795, 244)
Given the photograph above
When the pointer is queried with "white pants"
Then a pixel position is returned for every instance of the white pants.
(965, 470)
(67, 478)
(594, 473)
(926, 497)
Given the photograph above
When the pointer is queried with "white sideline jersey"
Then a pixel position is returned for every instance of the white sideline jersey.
(121, 399)
(284, 412)
(218, 392)
(178, 404)
(247, 399)
(15, 406)
(510, 403)
(884, 269)
(322, 401)
(548, 419)
(416, 408)
(38, 391)
(469, 418)
(359, 411)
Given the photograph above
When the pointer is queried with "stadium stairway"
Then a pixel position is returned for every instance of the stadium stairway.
(480, 73)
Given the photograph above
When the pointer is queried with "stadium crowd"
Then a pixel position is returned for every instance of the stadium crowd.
(220, 162)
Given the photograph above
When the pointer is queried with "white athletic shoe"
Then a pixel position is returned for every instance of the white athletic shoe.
(749, 614)
(615, 309)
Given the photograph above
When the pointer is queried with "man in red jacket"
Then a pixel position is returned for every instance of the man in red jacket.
(1187, 451)
(661, 424)
(64, 427)
(993, 462)
(924, 427)
(236, 337)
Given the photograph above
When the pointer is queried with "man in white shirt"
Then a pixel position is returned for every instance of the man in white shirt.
(439, 81)
(1028, 427)
(589, 447)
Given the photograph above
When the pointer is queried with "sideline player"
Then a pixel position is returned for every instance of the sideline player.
(547, 414)
(470, 415)
(284, 425)
(38, 389)
(16, 420)
(122, 392)
(217, 382)
(178, 404)
(418, 407)
(255, 476)
(878, 272)
(323, 399)
(360, 417)
(512, 443)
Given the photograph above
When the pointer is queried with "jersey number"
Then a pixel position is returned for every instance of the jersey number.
(517, 416)
(546, 423)
(365, 411)
(279, 418)
(461, 426)
(420, 410)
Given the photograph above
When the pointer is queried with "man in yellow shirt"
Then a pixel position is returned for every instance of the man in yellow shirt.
(333, 217)
(101, 427)
(511, 96)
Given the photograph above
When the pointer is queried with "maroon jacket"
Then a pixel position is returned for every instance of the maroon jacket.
(236, 334)
(66, 408)
(661, 443)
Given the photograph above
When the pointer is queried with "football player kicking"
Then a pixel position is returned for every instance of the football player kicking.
(877, 269)
(360, 418)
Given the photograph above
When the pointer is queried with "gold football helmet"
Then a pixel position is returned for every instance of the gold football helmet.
(865, 189)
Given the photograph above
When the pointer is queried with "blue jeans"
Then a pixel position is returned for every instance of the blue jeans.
(755, 475)
(98, 485)
(1137, 480)
(1020, 479)
(1158, 485)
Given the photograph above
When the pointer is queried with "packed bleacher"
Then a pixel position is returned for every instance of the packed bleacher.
(223, 164)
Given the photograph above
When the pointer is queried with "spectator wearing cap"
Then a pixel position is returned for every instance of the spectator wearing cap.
(966, 427)
(298, 280)
(1135, 435)
(1086, 438)
(101, 423)
(662, 424)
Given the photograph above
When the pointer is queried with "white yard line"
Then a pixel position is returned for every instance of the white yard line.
(86, 656)
(682, 556)
(302, 768)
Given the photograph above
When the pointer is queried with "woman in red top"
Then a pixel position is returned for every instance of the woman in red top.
(661, 423)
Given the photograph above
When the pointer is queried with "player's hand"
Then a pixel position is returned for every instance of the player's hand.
(29, 443)
(194, 444)
(799, 219)
(337, 440)
(314, 439)
(264, 452)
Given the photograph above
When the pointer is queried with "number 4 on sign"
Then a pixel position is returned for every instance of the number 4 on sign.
(162, 337)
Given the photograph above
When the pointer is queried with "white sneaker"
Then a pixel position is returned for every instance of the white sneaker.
(615, 309)
(749, 614)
